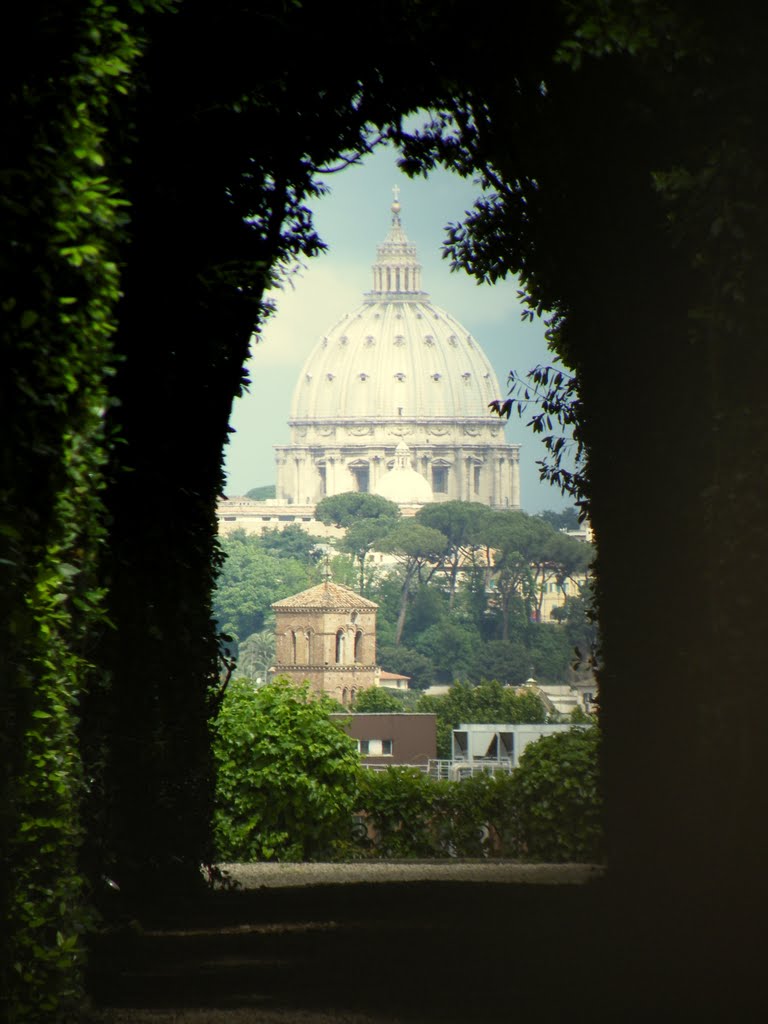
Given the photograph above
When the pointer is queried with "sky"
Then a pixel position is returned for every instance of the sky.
(352, 219)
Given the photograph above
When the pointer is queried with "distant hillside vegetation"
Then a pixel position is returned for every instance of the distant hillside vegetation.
(261, 493)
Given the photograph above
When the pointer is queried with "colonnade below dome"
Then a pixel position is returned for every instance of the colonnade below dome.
(486, 473)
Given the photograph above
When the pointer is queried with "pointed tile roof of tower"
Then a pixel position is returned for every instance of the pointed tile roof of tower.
(326, 596)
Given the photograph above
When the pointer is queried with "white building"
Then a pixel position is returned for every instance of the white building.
(397, 375)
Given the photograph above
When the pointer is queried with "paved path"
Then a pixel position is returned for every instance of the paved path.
(257, 876)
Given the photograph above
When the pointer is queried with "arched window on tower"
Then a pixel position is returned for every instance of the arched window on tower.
(301, 648)
(340, 647)
(293, 648)
(358, 646)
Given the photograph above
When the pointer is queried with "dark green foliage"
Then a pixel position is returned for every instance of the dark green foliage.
(255, 656)
(407, 814)
(479, 817)
(428, 606)
(286, 774)
(451, 647)
(509, 663)
(488, 702)
(376, 698)
(458, 522)
(366, 518)
(557, 798)
(567, 519)
(347, 509)
(62, 222)
(419, 550)
(292, 542)
(399, 806)
(261, 493)
(418, 667)
(486, 584)
(251, 579)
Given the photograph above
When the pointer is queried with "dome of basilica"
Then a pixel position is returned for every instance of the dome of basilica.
(397, 368)
(396, 356)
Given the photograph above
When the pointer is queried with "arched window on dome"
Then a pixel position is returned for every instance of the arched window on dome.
(340, 647)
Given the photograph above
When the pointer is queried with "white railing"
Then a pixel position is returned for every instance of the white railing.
(446, 769)
(440, 769)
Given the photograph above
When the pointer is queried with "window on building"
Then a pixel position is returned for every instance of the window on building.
(293, 649)
(460, 746)
(476, 481)
(340, 647)
(440, 479)
(358, 646)
(321, 471)
(375, 748)
(507, 744)
(362, 478)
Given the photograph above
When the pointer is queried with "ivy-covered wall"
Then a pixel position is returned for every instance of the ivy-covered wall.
(59, 286)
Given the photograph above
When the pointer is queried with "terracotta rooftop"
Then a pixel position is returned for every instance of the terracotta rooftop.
(328, 595)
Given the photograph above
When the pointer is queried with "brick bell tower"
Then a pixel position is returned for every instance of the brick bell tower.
(327, 636)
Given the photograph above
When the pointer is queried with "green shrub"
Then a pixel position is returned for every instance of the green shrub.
(479, 816)
(408, 814)
(556, 793)
(287, 775)
(398, 806)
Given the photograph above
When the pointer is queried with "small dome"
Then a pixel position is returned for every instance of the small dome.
(402, 483)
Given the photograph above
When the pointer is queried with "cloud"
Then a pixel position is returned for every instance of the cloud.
(306, 307)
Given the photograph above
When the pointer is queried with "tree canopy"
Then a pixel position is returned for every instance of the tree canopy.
(488, 702)
(251, 580)
(287, 774)
(366, 518)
